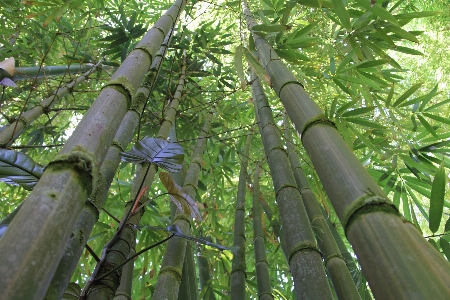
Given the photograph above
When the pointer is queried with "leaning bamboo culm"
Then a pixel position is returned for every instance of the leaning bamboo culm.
(395, 258)
(10, 133)
(90, 212)
(47, 218)
(334, 262)
(305, 260)
(106, 287)
(261, 264)
(170, 274)
(238, 269)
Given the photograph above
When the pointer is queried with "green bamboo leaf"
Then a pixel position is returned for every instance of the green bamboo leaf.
(437, 105)
(363, 138)
(447, 225)
(417, 202)
(407, 50)
(406, 94)
(365, 122)
(427, 125)
(402, 33)
(271, 28)
(445, 245)
(342, 13)
(345, 61)
(434, 146)
(437, 118)
(428, 97)
(397, 194)
(414, 15)
(378, 11)
(238, 66)
(372, 63)
(167, 155)
(385, 37)
(256, 65)
(405, 204)
(360, 80)
(301, 32)
(358, 111)
(18, 168)
(437, 199)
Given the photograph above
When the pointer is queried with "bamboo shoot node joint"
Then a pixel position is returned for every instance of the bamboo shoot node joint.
(171, 270)
(368, 203)
(304, 246)
(322, 120)
(123, 86)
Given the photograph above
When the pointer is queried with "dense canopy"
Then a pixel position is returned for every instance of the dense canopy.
(377, 69)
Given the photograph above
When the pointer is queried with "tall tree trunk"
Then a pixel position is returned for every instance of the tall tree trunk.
(261, 264)
(305, 261)
(395, 258)
(334, 262)
(168, 284)
(238, 273)
(90, 212)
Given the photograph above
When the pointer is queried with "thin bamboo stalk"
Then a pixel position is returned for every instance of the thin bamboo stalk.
(238, 271)
(334, 262)
(305, 260)
(204, 274)
(10, 133)
(394, 259)
(262, 266)
(167, 286)
(106, 287)
(124, 291)
(90, 212)
(48, 216)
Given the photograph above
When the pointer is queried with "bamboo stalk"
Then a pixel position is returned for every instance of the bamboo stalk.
(305, 260)
(106, 287)
(48, 216)
(394, 259)
(334, 262)
(10, 133)
(167, 286)
(238, 271)
(90, 212)
(262, 266)
(204, 274)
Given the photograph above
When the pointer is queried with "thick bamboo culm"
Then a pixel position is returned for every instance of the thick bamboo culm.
(48, 216)
(334, 262)
(396, 260)
(305, 260)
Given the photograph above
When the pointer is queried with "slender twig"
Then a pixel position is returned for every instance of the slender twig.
(89, 249)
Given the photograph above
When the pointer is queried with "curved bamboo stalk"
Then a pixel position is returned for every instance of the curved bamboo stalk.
(119, 251)
(262, 266)
(90, 212)
(10, 133)
(340, 276)
(305, 261)
(48, 216)
(396, 261)
(238, 271)
(167, 286)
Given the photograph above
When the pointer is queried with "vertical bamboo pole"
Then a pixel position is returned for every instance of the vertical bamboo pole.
(90, 212)
(334, 262)
(396, 261)
(305, 259)
(238, 271)
(105, 288)
(262, 266)
(48, 216)
(169, 277)
(204, 274)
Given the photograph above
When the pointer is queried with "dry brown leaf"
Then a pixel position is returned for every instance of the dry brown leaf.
(181, 199)
(8, 65)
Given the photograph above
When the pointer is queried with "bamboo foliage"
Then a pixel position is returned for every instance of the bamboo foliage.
(261, 264)
(170, 274)
(105, 288)
(395, 258)
(305, 260)
(9, 134)
(46, 220)
(238, 272)
(334, 262)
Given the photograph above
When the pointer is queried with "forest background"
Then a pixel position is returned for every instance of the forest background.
(379, 74)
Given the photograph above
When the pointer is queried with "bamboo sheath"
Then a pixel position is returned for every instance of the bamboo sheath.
(396, 261)
(47, 218)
